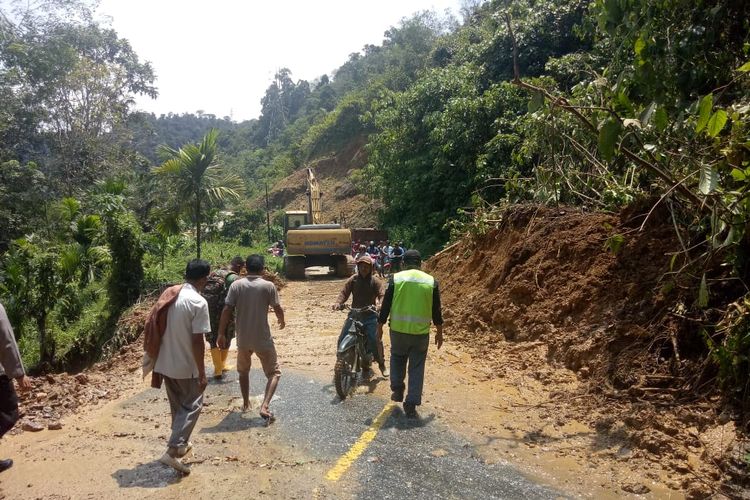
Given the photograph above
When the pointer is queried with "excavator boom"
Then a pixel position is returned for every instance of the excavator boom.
(313, 198)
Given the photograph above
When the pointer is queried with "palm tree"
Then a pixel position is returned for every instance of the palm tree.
(197, 179)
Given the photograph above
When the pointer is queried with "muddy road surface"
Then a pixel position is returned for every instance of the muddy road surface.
(474, 439)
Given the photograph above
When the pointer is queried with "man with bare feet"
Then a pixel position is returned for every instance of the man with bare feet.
(251, 296)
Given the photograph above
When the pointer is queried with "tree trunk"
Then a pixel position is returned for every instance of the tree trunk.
(46, 345)
(198, 224)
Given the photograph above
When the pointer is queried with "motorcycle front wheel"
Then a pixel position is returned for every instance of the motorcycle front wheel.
(345, 373)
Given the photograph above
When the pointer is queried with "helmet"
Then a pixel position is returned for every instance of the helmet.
(412, 257)
(362, 247)
(372, 243)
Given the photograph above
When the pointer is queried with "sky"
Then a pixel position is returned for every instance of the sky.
(220, 56)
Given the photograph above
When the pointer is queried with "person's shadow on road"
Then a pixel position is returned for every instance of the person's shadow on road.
(369, 384)
(236, 421)
(149, 475)
(400, 421)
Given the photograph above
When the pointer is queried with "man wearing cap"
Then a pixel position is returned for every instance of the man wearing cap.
(366, 289)
(180, 361)
(412, 301)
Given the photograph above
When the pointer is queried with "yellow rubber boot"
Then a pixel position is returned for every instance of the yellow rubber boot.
(224, 366)
(216, 358)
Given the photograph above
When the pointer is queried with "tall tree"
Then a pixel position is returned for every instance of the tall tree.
(197, 179)
(281, 105)
(66, 86)
(22, 193)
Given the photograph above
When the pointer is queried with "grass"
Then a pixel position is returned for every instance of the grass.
(217, 253)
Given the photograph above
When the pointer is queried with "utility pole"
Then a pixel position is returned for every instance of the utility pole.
(268, 215)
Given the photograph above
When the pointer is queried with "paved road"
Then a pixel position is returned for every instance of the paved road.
(419, 458)
(112, 452)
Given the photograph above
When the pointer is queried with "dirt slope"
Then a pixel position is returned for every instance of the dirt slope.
(339, 197)
(542, 291)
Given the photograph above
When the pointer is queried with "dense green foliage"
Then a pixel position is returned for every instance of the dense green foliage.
(125, 241)
(81, 211)
(66, 89)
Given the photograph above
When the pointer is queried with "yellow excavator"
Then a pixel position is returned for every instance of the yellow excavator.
(310, 243)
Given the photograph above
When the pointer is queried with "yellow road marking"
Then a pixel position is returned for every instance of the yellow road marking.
(360, 446)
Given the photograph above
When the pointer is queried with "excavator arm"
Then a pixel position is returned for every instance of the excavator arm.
(313, 198)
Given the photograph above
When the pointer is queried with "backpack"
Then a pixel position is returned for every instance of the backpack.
(215, 292)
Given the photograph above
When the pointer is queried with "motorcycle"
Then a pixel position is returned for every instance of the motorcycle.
(276, 251)
(352, 355)
(384, 266)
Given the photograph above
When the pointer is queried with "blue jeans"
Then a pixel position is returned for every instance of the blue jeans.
(370, 322)
(411, 350)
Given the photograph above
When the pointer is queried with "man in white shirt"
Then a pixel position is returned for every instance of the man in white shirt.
(181, 363)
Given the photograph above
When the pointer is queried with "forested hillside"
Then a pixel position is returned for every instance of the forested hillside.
(626, 107)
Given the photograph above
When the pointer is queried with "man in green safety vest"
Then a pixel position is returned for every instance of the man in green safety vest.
(412, 301)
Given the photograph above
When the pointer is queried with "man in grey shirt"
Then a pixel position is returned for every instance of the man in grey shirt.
(10, 367)
(252, 296)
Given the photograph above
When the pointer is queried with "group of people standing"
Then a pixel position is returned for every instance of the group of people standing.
(174, 336)
(386, 258)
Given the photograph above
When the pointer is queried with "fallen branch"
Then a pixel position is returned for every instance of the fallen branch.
(449, 247)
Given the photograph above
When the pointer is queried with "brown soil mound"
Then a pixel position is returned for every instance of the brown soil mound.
(274, 278)
(547, 277)
(55, 396)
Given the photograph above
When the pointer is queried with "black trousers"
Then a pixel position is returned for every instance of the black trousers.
(8, 405)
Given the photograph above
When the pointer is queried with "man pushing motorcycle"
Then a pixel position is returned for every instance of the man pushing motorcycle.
(366, 290)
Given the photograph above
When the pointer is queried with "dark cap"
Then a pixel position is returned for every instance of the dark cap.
(412, 256)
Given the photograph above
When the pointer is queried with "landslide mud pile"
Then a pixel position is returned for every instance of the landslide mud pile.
(53, 397)
(549, 275)
(547, 281)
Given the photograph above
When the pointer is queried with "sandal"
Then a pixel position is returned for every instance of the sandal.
(267, 416)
